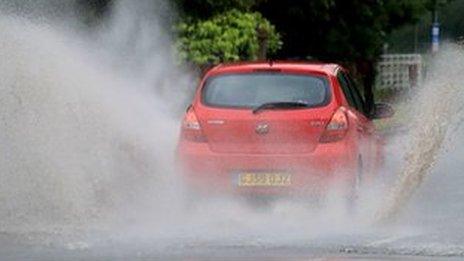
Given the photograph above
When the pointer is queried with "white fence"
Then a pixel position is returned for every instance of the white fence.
(399, 71)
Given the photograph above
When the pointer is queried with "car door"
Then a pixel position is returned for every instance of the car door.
(363, 124)
(366, 126)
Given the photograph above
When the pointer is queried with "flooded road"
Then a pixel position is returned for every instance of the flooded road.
(87, 171)
(430, 228)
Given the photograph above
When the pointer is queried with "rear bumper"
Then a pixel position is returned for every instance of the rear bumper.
(312, 173)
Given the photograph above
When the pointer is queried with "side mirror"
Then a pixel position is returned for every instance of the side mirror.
(382, 111)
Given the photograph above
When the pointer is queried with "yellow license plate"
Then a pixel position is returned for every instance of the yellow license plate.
(264, 179)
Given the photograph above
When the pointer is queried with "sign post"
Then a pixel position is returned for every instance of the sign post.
(435, 37)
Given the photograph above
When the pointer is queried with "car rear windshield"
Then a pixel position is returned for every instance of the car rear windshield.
(250, 90)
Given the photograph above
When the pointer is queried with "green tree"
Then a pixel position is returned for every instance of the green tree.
(229, 36)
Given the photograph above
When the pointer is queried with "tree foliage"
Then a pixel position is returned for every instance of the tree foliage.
(417, 37)
(229, 36)
(204, 9)
(351, 32)
(338, 29)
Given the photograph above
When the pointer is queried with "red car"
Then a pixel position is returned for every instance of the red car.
(282, 128)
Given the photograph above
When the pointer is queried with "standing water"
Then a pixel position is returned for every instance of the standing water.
(88, 128)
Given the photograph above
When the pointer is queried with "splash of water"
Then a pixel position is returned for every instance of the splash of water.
(87, 133)
(89, 130)
(434, 111)
(84, 134)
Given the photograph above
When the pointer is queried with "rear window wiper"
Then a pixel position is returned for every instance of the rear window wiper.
(279, 105)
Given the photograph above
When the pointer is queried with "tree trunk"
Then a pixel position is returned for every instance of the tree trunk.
(263, 39)
(366, 68)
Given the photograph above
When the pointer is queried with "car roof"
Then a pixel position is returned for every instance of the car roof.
(317, 67)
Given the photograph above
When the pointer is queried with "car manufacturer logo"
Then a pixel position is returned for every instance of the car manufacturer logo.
(262, 129)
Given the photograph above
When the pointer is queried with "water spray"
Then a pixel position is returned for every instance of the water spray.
(436, 109)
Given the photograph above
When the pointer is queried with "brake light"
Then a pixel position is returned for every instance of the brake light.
(191, 129)
(337, 127)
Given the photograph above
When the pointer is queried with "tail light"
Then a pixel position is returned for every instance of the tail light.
(337, 127)
(191, 129)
